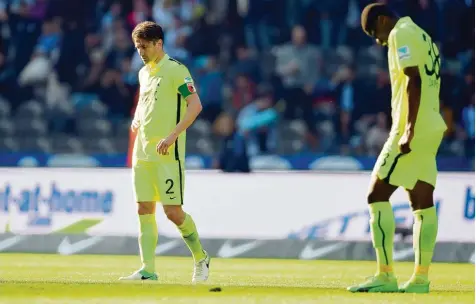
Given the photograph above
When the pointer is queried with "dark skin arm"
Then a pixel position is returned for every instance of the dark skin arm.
(414, 94)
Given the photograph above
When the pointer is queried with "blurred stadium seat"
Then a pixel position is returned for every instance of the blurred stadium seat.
(30, 127)
(29, 111)
(35, 144)
(94, 127)
(67, 144)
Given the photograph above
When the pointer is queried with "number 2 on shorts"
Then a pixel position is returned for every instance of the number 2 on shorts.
(170, 184)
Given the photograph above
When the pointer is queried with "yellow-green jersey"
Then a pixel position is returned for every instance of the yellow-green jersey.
(163, 89)
(408, 46)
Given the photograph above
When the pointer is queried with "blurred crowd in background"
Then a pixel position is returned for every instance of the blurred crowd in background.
(274, 76)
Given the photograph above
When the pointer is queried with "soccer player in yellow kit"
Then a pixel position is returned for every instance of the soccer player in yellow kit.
(408, 158)
(168, 105)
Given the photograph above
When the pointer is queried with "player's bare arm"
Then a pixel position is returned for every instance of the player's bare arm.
(193, 109)
(414, 95)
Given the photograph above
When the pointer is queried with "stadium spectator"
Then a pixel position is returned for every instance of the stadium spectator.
(333, 30)
(210, 87)
(377, 135)
(123, 49)
(93, 69)
(256, 15)
(141, 12)
(177, 35)
(44, 56)
(468, 126)
(233, 156)
(67, 54)
(3, 11)
(257, 122)
(346, 91)
(110, 22)
(297, 64)
(205, 39)
(245, 63)
(243, 92)
(115, 94)
(163, 12)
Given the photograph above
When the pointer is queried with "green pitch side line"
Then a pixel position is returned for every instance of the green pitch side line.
(80, 226)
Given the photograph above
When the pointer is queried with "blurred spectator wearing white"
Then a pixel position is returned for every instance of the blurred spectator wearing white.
(45, 55)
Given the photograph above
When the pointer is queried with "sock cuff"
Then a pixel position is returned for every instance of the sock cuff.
(380, 206)
(188, 226)
(186, 219)
(428, 212)
(147, 218)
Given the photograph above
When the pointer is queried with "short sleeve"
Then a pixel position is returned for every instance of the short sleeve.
(184, 81)
(406, 48)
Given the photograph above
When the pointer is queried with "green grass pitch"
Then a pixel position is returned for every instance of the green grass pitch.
(38, 279)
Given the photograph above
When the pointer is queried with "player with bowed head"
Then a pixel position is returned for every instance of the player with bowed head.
(408, 158)
(168, 105)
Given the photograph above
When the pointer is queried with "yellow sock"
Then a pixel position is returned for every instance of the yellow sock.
(148, 241)
(382, 227)
(425, 230)
(190, 236)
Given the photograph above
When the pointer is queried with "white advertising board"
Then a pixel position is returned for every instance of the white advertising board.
(258, 206)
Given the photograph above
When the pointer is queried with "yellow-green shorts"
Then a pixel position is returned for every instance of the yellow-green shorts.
(158, 182)
(404, 170)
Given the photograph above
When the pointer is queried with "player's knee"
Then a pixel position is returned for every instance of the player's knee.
(174, 214)
(380, 191)
(372, 197)
(422, 202)
(146, 208)
(421, 196)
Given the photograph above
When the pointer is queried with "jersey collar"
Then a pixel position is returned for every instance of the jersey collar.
(399, 23)
(155, 67)
(402, 20)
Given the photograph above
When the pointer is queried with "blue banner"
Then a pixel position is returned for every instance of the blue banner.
(270, 162)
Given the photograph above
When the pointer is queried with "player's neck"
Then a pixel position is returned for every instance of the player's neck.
(157, 60)
(392, 23)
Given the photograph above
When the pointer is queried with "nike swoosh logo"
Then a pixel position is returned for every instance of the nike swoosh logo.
(228, 250)
(366, 289)
(11, 241)
(161, 248)
(399, 255)
(68, 248)
(145, 278)
(309, 253)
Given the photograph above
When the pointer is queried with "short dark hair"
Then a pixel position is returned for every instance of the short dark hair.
(149, 31)
(371, 13)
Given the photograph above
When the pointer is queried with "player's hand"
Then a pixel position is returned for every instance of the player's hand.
(135, 126)
(404, 142)
(164, 144)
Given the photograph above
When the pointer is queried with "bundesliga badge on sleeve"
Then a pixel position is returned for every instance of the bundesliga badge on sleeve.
(190, 85)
